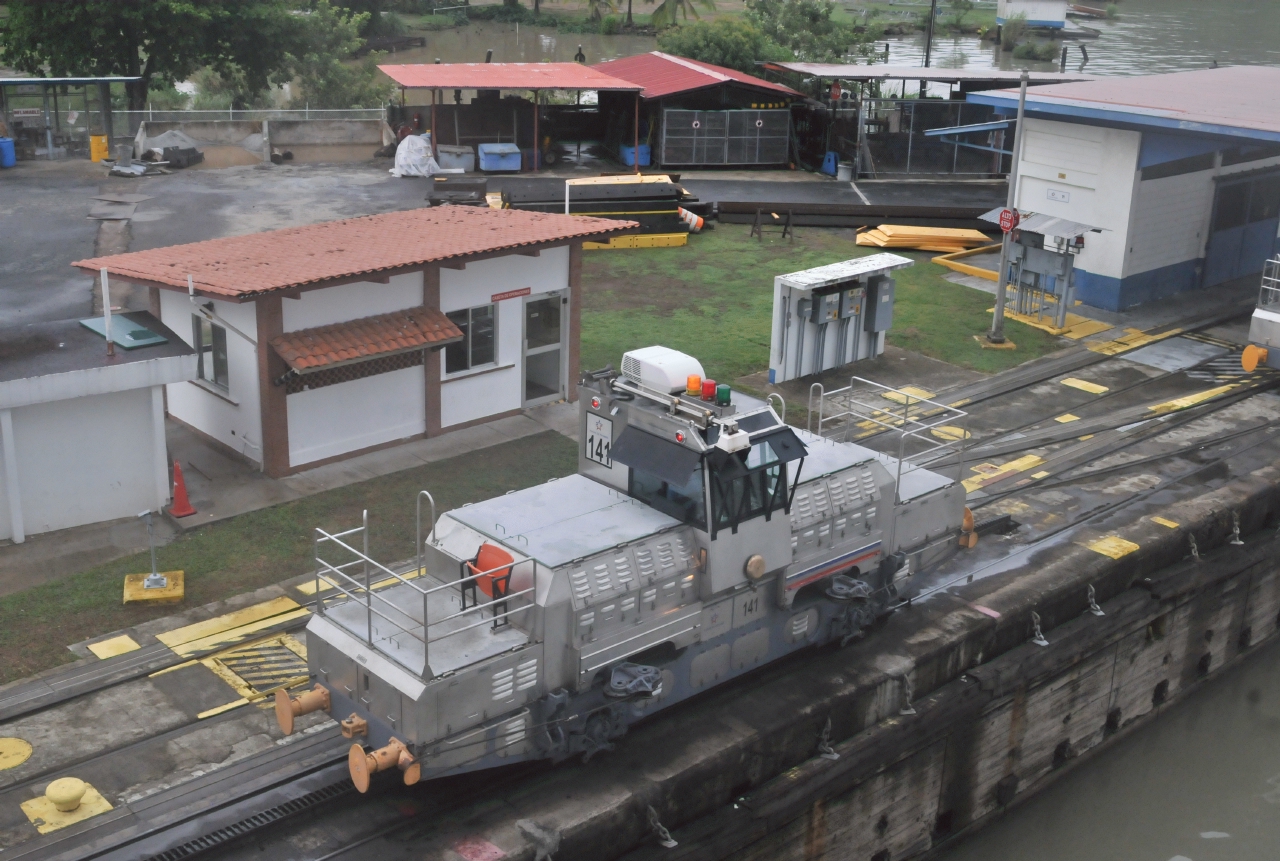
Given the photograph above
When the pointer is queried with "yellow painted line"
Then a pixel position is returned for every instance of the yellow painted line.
(1085, 328)
(1041, 474)
(309, 587)
(1113, 546)
(1136, 338)
(220, 709)
(1023, 463)
(1164, 521)
(1013, 467)
(235, 635)
(175, 667)
(47, 818)
(13, 752)
(1084, 386)
(120, 645)
(203, 630)
(1067, 417)
(952, 261)
(1085, 437)
(233, 681)
(907, 393)
(950, 433)
(644, 240)
(294, 645)
(1189, 400)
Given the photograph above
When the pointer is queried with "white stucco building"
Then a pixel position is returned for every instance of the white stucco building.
(1182, 171)
(316, 343)
(1039, 13)
(81, 432)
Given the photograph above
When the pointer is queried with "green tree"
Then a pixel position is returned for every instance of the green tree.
(226, 89)
(668, 11)
(162, 41)
(729, 42)
(959, 9)
(807, 29)
(331, 34)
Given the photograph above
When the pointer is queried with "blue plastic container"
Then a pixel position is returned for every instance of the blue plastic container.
(8, 158)
(499, 156)
(830, 164)
(628, 155)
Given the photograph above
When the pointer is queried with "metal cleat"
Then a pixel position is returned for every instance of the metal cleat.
(1038, 639)
(1093, 603)
(908, 694)
(825, 750)
(665, 840)
(1195, 551)
(1235, 529)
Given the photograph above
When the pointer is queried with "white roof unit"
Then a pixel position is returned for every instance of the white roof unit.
(661, 369)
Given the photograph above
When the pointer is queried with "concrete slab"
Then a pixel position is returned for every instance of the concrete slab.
(1174, 354)
(561, 417)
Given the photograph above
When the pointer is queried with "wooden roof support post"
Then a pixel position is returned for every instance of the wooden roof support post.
(537, 143)
(636, 138)
(433, 124)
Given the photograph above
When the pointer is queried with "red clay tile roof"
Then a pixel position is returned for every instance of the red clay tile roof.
(665, 74)
(504, 76)
(357, 340)
(258, 263)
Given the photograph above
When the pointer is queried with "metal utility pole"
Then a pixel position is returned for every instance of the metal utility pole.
(996, 335)
(928, 42)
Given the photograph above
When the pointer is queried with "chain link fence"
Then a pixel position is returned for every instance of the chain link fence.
(889, 139)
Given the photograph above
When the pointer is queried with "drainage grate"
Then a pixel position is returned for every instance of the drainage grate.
(250, 824)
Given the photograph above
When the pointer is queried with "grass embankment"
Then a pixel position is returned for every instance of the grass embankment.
(714, 300)
(263, 547)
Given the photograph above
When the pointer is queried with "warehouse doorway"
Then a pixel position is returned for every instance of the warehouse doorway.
(1246, 216)
(544, 348)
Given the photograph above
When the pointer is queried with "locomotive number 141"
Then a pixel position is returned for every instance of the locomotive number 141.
(599, 440)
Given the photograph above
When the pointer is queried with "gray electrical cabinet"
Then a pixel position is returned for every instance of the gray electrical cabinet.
(831, 316)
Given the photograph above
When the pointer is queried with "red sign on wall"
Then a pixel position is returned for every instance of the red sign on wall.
(1009, 219)
(510, 294)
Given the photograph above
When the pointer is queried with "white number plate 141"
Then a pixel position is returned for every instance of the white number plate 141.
(599, 440)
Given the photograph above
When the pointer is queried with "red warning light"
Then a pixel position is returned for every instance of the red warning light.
(679, 436)
(595, 403)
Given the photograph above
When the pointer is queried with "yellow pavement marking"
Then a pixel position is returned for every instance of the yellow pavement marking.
(235, 635)
(1084, 386)
(1041, 474)
(905, 393)
(13, 752)
(1189, 400)
(1067, 417)
(309, 587)
(47, 818)
(201, 631)
(1085, 437)
(174, 668)
(1013, 467)
(1163, 521)
(222, 708)
(950, 433)
(115, 646)
(1133, 339)
(1113, 546)
(1085, 328)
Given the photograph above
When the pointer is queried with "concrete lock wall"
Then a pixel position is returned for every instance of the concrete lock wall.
(216, 132)
(286, 133)
(83, 460)
(233, 418)
(736, 774)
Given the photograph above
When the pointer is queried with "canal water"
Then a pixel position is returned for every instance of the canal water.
(1148, 37)
(1200, 783)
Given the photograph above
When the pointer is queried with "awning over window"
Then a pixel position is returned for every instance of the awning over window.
(786, 445)
(325, 347)
(669, 461)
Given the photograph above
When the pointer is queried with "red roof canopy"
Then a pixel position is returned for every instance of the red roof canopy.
(664, 75)
(504, 76)
(353, 249)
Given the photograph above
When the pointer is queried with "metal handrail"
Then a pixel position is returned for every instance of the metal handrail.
(432, 500)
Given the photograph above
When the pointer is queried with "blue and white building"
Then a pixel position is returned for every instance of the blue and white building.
(1039, 13)
(1182, 172)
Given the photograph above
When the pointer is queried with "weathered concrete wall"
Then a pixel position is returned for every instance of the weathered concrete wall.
(225, 132)
(319, 132)
(736, 774)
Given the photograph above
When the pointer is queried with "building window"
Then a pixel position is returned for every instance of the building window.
(210, 341)
(479, 344)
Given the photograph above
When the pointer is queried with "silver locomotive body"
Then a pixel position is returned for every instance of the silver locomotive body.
(696, 542)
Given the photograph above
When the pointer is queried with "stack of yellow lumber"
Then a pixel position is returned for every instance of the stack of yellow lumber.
(945, 240)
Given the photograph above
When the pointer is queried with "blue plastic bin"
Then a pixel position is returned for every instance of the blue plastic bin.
(499, 156)
(628, 155)
(8, 158)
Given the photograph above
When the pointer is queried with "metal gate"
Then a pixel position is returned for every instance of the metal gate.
(1246, 215)
(725, 137)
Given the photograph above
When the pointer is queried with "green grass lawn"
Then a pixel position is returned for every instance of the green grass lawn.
(714, 300)
(263, 547)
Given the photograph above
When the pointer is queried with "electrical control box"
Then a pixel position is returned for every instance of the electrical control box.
(851, 299)
(831, 316)
(879, 315)
(826, 308)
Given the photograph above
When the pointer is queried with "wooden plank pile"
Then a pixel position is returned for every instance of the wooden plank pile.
(945, 240)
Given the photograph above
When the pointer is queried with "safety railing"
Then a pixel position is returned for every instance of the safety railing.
(926, 430)
(361, 589)
(1269, 295)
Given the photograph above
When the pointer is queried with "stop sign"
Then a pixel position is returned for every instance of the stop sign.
(1009, 219)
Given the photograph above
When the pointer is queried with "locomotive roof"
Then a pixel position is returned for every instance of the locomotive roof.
(825, 457)
(563, 520)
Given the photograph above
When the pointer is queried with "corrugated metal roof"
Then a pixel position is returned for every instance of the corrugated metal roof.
(664, 75)
(1238, 101)
(1047, 225)
(878, 72)
(245, 266)
(503, 76)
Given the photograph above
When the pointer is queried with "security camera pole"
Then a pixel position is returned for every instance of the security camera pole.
(996, 335)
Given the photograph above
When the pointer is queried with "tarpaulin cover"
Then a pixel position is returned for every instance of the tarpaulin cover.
(413, 158)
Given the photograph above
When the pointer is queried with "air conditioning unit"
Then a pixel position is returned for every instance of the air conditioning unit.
(661, 369)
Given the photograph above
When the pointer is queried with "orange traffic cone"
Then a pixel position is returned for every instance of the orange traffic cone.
(181, 505)
(694, 222)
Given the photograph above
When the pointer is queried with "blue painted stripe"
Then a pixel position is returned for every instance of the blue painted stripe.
(1055, 24)
(1117, 114)
(831, 565)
